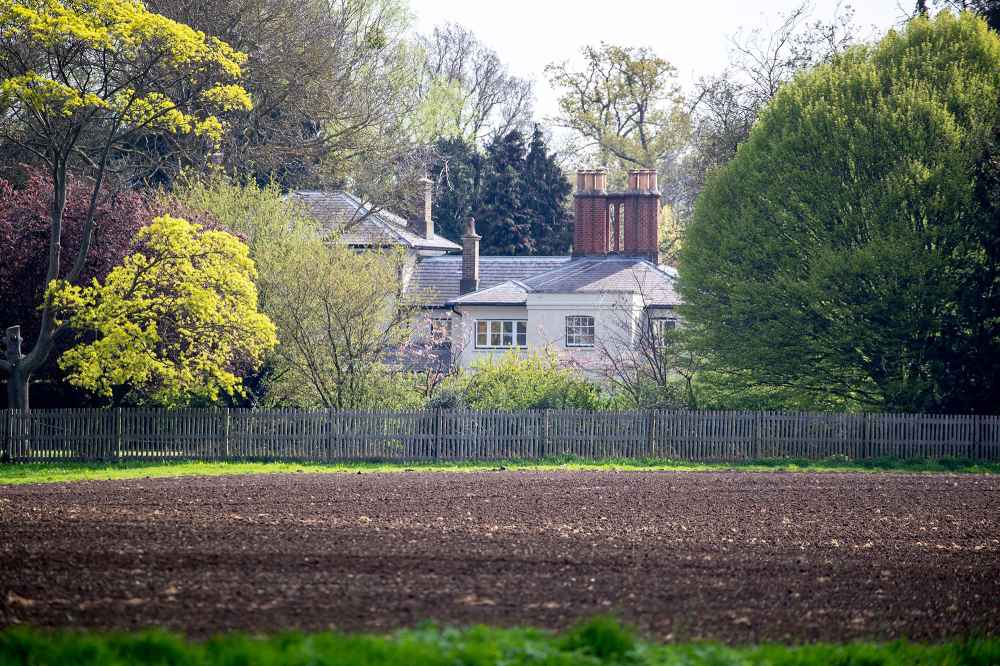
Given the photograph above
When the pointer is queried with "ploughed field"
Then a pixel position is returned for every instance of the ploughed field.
(737, 557)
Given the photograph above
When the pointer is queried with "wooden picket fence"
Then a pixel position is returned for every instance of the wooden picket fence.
(296, 435)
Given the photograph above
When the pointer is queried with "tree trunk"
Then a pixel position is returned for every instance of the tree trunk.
(17, 373)
(17, 390)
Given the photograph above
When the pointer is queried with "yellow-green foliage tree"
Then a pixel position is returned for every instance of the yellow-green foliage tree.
(80, 80)
(177, 321)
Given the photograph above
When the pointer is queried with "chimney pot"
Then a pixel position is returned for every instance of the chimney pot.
(591, 180)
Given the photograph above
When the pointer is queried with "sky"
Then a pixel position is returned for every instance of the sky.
(693, 36)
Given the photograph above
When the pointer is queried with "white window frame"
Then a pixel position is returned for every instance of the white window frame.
(655, 330)
(576, 326)
(497, 329)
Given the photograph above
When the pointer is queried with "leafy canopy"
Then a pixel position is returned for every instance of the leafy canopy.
(177, 320)
(624, 101)
(515, 190)
(843, 251)
(67, 64)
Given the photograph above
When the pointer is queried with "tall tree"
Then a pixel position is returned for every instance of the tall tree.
(851, 247)
(486, 100)
(625, 102)
(331, 81)
(517, 193)
(546, 197)
(501, 213)
(81, 79)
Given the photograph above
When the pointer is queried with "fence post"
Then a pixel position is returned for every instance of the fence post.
(651, 432)
(225, 433)
(543, 446)
(866, 441)
(977, 446)
(8, 435)
(119, 434)
(438, 419)
(755, 436)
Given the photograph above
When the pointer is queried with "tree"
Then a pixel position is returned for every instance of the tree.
(517, 193)
(725, 106)
(483, 99)
(339, 334)
(501, 215)
(177, 321)
(456, 173)
(80, 80)
(546, 195)
(327, 79)
(24, 237)
(625, 102)
(845, 251)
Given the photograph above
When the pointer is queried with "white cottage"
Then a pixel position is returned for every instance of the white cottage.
(582, 307)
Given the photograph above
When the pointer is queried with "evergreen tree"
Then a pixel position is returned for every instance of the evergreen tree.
(546, 191)
(456, 177)
(517, 194)
(502, 218)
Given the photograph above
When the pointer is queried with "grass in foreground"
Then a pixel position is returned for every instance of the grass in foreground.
(62, 472)
(601, 641)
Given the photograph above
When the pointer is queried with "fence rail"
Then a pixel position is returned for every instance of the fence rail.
(237, 434)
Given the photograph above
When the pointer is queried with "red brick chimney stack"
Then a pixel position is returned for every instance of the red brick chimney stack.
(590, 228)
(617, 223)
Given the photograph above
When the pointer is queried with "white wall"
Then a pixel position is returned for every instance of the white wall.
(615, 319)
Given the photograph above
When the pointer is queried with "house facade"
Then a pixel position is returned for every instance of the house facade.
(584, 308)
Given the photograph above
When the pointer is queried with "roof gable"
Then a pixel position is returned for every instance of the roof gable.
(363, 226)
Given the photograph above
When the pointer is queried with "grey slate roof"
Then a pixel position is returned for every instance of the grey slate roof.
(586, 275)
(339, 209)
(505, 293)
(437, 279)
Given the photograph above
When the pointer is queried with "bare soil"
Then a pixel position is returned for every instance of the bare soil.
(737, 557)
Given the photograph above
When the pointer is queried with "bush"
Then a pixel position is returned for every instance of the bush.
(447, 398)
(513, 383)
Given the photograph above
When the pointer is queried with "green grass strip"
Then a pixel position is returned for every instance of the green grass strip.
(63, 472)
(601, 641)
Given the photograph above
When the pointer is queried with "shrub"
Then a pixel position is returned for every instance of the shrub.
(512, 383)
